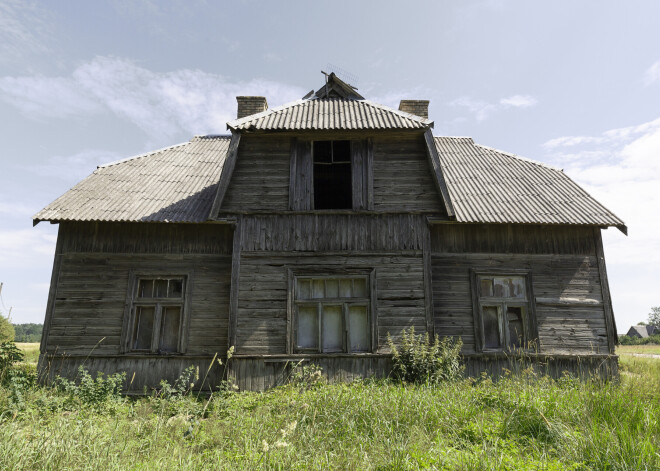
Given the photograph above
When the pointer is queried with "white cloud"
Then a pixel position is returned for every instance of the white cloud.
(652, 74)
(621, 169)
(480, 109)
(73, 168)
(163, 105)
(483, 109)
(23, 245)
(24, 28)
(45, 97)
(519, 101)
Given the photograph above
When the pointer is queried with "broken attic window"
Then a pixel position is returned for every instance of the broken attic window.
(332, 175)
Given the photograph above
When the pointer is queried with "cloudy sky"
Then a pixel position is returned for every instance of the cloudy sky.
(572, 84)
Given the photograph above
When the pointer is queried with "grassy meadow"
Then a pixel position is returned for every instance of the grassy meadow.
(523, 422)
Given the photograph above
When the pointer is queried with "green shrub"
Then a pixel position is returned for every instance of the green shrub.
(650, 340)
(420, 361)
(306, 376)
(6, 330)
(92, 391)
(10, 354)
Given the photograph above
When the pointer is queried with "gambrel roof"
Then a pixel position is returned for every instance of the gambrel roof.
(179, 183)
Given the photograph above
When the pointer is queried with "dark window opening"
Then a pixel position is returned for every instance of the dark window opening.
(332, 175)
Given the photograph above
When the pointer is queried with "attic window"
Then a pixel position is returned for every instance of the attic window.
(332, 175)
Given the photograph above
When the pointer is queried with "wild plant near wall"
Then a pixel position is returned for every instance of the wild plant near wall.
(420, 361)
(93, 391)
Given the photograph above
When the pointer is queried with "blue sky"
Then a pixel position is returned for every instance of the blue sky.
(572, 84)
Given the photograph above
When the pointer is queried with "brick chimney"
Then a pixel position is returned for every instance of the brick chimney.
(416, 107)
(248, 105)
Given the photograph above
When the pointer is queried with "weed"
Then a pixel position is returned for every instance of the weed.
(418, 360)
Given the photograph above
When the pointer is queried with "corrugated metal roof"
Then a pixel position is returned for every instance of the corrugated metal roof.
(175, 184)
(324, 114)
(487, 185)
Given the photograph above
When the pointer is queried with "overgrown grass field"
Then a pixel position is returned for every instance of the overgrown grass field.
(518, 423)
(645, 349)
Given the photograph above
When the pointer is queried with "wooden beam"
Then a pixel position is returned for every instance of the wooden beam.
(54, 277)
(225, 176)
(428, 284)
(234, 287)
(369, 174)
(610, 324)
(437, 169)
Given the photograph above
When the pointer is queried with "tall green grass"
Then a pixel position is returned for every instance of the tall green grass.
(520, 422)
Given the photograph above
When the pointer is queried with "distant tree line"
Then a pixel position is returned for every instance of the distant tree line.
(28, 332)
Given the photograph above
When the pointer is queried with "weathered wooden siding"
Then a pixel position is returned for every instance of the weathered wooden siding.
(92, 283)
(566, 281)
(259, 373)
(315, 232)
(262, 301)
(403, 177)
(260, 180)
(142, 373)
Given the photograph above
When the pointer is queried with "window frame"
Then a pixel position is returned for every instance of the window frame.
(301, 173)
(502, 303)
(159, 303)
(369, 301)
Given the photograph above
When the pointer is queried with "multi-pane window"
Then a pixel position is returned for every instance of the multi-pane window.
(157, 315)
(332, 175)
(332, 314)
(504, 319)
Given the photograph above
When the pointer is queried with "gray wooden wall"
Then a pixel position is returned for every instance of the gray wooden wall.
(570, 308)
(91, 286)
(402, 176)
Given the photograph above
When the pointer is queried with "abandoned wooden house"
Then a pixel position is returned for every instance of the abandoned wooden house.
(312, 232)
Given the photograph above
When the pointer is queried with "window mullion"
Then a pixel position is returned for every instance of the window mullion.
(319, 309)
(345, 333)
(155, 335)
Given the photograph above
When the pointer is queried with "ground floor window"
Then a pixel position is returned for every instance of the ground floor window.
(332, 314)
(156, 317)
(503, 311)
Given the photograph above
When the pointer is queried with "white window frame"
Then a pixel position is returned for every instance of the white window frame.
(368, 302)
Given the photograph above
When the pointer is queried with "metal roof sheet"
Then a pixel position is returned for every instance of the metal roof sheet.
(490, 186)
(324, 114)
(175, 184)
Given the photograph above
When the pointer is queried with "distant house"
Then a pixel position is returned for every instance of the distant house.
(313, 231)
(642, 331)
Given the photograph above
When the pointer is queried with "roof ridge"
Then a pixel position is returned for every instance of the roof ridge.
(454, 137)
(519, 157)
(146, 154)
(209, 136)
(403, 114)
